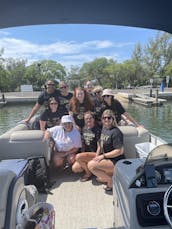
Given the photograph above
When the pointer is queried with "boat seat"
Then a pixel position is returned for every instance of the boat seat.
(23, 144)
(6, 178)
(133, 135)
(21, 126)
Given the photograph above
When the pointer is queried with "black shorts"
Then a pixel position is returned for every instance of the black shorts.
(115, 159)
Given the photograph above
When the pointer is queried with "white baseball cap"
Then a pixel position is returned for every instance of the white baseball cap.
(67, 118)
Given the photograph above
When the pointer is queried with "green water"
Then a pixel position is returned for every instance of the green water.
(157, 119)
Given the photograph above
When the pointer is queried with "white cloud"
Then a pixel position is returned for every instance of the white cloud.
(62, 51)
(106, 44)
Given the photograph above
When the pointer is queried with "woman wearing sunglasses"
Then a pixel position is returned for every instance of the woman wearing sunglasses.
(64, 97)
(98, 90)
(51, 116)
(111, 143)
(122, 117)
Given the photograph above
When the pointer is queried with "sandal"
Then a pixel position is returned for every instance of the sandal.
(108, 189)
(85, 178)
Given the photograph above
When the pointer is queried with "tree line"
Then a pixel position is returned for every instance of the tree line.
(149, 64)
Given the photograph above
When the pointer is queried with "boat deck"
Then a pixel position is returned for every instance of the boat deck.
(80, 205)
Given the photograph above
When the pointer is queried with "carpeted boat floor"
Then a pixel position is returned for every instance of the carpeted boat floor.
(80, 205)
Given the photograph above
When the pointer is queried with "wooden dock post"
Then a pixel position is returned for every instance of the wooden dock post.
(156, 96)
(150, 94)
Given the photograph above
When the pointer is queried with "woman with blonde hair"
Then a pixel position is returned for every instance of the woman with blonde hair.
(111, 143)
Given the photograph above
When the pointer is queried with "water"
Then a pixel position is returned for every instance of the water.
(156, 119)
(11, 115)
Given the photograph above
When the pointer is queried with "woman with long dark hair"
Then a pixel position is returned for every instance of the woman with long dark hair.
(51, 116)
(122, 117)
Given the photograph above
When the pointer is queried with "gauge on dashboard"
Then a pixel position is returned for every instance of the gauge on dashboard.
(153, 208)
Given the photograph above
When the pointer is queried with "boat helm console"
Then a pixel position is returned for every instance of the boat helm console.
(156, 169)
(142, 191)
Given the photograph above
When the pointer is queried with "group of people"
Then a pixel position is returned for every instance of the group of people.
(84, 128)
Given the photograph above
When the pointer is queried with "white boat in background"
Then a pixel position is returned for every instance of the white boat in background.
(78, 205)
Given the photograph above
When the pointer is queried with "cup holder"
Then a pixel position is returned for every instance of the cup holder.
(127, 162)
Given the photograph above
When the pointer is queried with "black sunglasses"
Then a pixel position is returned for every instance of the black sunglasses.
(63, 87)
(107, 117)
(106, 96)
(50, 84)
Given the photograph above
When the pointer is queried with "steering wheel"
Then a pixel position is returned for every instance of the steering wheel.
(167, 206)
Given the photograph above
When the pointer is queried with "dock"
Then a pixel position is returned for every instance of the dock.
(148, 101)
(21, 97)
(142, 99)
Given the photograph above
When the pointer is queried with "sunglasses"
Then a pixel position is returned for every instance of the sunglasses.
(63, 87)
(50, 84)
(106, 96)
(107, 117)
(53, 103)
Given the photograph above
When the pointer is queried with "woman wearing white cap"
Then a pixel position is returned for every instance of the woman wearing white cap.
(67, 141)
(109, 102)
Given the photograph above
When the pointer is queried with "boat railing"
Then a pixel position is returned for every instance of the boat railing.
(156, 140)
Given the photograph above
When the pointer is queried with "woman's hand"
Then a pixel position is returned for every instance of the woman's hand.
(99, 158)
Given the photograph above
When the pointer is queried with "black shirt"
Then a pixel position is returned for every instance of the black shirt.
(98, 108)
(51, 118)
(90, 138)
(64, 102)
(116, 107)
(45, 96)
(79, 116)
(111, 139)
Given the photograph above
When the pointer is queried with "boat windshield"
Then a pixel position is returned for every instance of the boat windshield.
(160, 153)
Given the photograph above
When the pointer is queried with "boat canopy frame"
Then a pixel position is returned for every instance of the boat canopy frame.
(145, 14)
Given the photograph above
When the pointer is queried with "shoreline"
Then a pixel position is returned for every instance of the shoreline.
(30, 97)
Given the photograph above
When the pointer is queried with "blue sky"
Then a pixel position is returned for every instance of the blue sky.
(72, 45)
